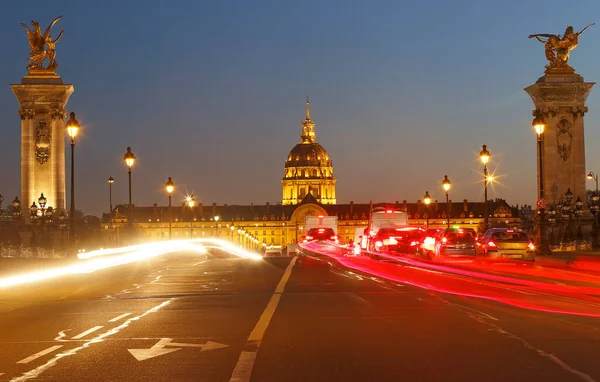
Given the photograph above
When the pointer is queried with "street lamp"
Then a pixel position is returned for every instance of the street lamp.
(595, 209)
(191, 202)
(216, 219)
(129, 160)
(170, 187)
(485, 155)
(232, 228)
(539, 124)
(427, 201)
(593, 176)
(446, 186)
(16, 205)
(110, 183)
(72, 129)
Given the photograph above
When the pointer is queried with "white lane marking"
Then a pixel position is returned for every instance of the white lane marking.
(119, 317)
(158, 349)
(244, 365)
(481, 319)
(40, 354)
(551, 357)
(83, 334)
(31, 374)
(61, 335)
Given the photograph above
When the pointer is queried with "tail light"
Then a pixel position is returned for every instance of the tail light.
(491, 244)
(414, 243)
(334, 238)
(531, 246)
(309, 238)
(378, 244)
(444, 240)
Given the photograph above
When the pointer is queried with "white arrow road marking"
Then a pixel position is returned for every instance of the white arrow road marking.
(159, 348)
(119, 317)
(40, 354)
(83, 334)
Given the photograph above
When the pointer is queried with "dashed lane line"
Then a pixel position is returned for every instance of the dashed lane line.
(83, 334)
(119, 317)
(40, 354)
(244, 365)
(32, 374)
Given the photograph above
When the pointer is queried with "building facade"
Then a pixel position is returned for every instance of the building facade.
(284, 224)
(308, 190)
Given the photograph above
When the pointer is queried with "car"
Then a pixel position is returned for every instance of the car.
(428, 244)
(400, 240)
(455, 242)
(506, 243)
(321, 234)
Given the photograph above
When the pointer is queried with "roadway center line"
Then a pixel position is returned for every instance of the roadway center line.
(119, 317)
(40, 354)
(244, 365)
(92, 330)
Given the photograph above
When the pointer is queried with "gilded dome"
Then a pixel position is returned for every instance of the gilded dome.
(308, 154)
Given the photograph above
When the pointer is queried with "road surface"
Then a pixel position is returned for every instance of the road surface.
(197, 318)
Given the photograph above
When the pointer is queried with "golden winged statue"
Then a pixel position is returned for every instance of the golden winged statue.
(558, 47)
(42, 46)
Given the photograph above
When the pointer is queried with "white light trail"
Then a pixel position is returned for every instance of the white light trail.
(106, 258)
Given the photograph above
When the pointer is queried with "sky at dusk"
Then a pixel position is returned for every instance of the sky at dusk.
(212, 94)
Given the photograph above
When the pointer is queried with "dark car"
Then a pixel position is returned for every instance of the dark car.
(506, 243)
(321, 234)
(454, 242)
(400, 240)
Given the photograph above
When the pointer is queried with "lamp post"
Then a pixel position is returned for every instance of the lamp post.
(539, 124)
(16, 208)
(170, 187)
(110, 183)
(485, 155)
(593, 176)
(446, 186)
(40, 214)
(191, 202)
(216, 219)
(232, 228)
(72, 129)
(129, 160)
(595, 209)
(427, 201)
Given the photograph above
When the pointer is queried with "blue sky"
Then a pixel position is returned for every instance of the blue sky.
(212, 93)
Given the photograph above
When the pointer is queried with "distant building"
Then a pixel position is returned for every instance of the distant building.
(308, 190)
(308, 169)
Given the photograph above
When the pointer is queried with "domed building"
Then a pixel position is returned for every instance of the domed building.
(308, 169)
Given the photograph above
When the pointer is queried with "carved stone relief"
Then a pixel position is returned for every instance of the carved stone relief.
(42, 142)
(564, 136)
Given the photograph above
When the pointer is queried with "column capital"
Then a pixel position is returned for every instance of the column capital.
(548, 111)
(58, 113)
(26, 113)
(579, 111)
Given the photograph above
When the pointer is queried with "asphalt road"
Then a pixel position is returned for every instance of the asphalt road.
(190, 318)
